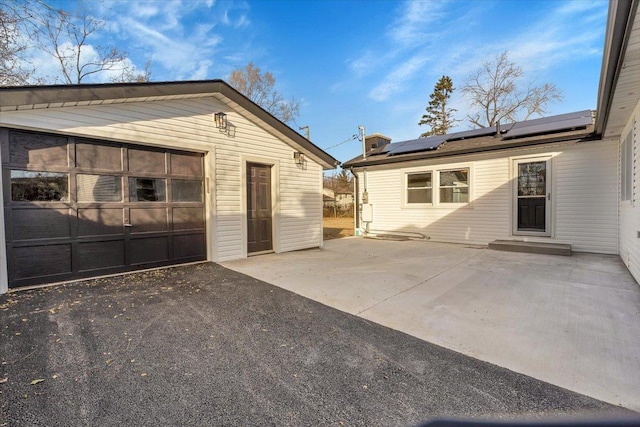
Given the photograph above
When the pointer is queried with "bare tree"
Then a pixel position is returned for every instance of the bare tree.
(494, 91)
(133, 75)
(12, 46)
(260, 88)
(66, 36)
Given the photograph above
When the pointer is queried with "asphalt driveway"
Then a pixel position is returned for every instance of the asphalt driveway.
(204, 345)
(570, 321)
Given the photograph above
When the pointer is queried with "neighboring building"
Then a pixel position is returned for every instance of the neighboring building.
(562, 179)
(344, 200)
(98, 179)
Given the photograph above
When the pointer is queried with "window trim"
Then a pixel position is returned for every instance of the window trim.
(406, 202)
(455, 204)
(435, 187)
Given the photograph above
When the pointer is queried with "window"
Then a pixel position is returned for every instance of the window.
(419, 187)
(183, 190)
(147, 190)
(99, 188)
(454, 186)
(626, 167)
(30, 186)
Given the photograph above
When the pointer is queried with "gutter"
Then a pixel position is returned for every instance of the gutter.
(435, 154)
(621, 15)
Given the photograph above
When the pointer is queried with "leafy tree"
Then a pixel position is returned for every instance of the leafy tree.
(260, 88)
(496, 93)
(438, 116)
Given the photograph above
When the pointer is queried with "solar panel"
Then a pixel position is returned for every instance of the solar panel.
(420, 144)
(380, 150)
(472, 133)
(550, 124)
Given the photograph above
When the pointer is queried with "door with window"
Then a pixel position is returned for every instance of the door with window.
(259, 212)
(532, 213)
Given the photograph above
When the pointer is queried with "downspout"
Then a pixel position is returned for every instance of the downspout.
(365, 194)
(356, 192)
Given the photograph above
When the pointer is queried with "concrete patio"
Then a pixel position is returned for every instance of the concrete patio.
(570, 321)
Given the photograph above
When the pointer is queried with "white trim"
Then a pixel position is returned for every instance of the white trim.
(275, 199)
(435, 170)
(550, 197)
(4, 277)
(211, 217)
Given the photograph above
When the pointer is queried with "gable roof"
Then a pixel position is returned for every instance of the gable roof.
(576, 126)
(52, 96)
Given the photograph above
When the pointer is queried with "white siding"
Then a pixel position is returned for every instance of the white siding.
(584, 211)
(630, 210)
(188, 124)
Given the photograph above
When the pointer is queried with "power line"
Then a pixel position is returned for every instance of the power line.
(351, 138)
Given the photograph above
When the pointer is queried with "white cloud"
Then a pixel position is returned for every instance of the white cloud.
(202, 71)
(416, 18)
(394, 81)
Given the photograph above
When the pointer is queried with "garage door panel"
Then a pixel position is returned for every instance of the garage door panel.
(99, 255)
(188, 218)
(146, 161)
(100, 221)
(30, 224)
(189, 165)
(27, 149)
(144, 220)
(149, 250)
(76, 207)
(39, 261)
(189, 245)
(98, 156)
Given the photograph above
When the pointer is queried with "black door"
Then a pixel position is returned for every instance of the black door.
(259, 217)
(532, 196)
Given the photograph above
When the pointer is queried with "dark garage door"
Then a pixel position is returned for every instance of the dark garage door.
(77, 208)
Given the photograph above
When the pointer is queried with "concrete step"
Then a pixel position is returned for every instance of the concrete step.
(531, 247)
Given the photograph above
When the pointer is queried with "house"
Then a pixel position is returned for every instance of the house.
(105, 178)
(570, 179)
(619, 121)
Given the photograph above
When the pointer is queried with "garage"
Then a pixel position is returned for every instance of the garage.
(78, 207)
(109, 178)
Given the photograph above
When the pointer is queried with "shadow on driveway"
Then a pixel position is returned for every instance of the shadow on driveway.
(204, 345)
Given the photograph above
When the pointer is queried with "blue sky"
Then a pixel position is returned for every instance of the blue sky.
(362, 62)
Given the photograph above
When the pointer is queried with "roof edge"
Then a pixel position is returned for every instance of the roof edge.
(354, 163)
(619, 23)
(49, 94)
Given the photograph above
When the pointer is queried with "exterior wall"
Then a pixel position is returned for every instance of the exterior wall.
(188, 124)
(630, 210)
(583, 207)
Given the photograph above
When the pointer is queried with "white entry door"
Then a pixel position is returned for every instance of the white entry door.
(532, 193)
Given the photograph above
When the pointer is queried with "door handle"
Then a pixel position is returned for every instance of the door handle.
(128, 225)
(549, 196)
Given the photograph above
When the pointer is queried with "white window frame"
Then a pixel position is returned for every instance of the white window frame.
(452, 204)
(435, 187)
(406, 189)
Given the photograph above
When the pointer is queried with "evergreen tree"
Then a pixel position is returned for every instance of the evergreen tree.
(438, 116)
